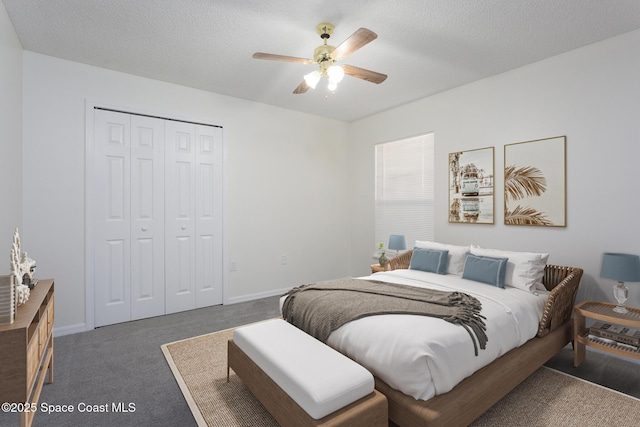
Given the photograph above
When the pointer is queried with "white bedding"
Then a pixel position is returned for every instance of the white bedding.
(424, 356)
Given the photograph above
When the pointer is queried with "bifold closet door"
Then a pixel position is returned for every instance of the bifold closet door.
(147, 217)
(128, 217)
(193, 216)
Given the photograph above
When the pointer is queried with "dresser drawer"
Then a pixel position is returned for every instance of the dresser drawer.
(50, 317)
(33, 360)
(42, 337)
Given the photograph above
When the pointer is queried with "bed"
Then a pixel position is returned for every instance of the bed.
(459, 386)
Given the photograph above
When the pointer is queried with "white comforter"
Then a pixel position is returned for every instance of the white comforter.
(425, 356)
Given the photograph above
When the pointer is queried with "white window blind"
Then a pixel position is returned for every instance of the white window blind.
(404, 189)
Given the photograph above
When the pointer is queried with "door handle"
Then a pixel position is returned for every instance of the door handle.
(145, 228)
(184, 227)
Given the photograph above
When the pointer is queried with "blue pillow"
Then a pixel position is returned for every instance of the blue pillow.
(431, 260)
(485, 269)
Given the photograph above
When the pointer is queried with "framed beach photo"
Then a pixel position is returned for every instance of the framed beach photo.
(471, 186)
(535, 183)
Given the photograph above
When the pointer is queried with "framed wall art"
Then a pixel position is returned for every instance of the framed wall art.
(471, 186)
(535, 183)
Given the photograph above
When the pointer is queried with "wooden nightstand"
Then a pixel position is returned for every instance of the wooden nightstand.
(375, 268)
(602, 311)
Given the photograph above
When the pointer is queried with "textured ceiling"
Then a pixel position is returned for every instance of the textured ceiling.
(424, 46)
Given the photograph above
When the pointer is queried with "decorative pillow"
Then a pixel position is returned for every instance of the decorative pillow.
(485, 269)
(524, 269)
(431, 260)
(455, 262)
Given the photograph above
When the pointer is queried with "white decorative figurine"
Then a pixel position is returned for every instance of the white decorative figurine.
(22, 294)
(28, 266)
(21, 266)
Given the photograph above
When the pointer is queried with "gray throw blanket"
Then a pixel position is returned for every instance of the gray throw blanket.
(321, 308)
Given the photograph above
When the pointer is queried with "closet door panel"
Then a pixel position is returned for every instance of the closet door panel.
(147, 217)
(111, 221)
(183, 266)
(180, 194)
(115, 280)
(209, 216)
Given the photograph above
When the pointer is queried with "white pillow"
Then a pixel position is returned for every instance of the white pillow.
(457, 254)
(524, 269)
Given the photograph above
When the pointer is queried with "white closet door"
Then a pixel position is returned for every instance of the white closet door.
(180, 224)
(193, 216)
(208, 216)
(157, 227)
(112, 225)
(147, 217)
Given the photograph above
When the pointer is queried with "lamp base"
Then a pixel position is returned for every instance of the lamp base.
(621, 293)
(620, 309)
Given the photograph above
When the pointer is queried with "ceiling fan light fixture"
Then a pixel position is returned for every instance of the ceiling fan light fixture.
(335, 73)
(325, 57)
(312, 78)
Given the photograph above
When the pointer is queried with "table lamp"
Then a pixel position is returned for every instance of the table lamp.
(397, 242)
(623, 268)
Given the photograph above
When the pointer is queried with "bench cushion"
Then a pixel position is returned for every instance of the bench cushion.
(317, 377)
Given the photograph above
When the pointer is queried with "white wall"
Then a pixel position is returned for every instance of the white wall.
(282, 190)
(289, 186)
(591, 95)
(11, 139)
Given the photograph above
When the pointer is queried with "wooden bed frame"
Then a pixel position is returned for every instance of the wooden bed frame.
(477, 393)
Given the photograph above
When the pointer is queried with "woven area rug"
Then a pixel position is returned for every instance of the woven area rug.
(546, 398)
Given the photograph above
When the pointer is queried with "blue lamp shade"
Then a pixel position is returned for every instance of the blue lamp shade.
(397, 242)
(620, 267)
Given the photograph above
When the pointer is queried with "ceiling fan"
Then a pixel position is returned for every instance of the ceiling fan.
(326, 56)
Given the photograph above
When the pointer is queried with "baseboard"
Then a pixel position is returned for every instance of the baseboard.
(251, 297)
(68, 330)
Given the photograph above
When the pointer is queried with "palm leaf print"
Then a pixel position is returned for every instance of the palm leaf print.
(523, 182)
(525, 216)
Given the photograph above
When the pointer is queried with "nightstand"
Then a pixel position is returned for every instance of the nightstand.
(375, 268)
(602, 311)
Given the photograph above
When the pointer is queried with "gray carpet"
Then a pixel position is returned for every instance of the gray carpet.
(124, 364)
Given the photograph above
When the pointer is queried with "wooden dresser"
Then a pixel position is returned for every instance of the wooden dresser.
(27, 352)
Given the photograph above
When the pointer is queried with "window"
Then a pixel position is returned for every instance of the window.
(404, 189)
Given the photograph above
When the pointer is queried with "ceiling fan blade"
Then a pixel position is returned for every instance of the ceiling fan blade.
(358, 39)
(302, 88)
(361, 73)
(272, 57)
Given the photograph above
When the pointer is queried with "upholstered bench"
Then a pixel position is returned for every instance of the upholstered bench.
(301, 381)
